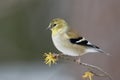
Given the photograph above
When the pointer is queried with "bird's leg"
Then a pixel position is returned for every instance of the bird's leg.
(77, 60)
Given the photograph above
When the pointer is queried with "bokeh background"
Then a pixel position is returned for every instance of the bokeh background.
(24, 38)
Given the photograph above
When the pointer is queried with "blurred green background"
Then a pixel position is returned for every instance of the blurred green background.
(24, 38)
(23, 29)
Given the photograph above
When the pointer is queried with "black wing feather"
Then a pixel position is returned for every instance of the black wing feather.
(74, 40)
(82, 42)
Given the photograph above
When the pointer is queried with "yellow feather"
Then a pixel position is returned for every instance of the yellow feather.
(72, 34)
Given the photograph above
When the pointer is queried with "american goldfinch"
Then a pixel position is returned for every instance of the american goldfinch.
(69, 42)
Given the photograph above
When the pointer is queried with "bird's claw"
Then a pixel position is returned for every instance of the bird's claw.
(78, 61)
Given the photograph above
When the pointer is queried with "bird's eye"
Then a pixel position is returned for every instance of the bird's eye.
(54, 25)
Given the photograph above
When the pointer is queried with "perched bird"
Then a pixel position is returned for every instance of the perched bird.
(69, 42)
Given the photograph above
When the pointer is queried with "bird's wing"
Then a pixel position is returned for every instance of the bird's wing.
(83, 42)
(74, 38)
(72, 34)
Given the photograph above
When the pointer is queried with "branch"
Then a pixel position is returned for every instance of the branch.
(105, 74)
(51, 58)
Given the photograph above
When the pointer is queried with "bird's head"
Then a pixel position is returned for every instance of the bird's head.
(58, 25)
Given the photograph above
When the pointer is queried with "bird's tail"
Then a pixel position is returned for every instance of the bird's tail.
(101, 51)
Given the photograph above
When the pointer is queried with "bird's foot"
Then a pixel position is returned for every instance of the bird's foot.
(78, 61)
(58, 55)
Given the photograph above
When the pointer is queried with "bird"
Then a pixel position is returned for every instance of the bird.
(68, 41)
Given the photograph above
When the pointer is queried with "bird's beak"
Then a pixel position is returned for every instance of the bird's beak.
(49, 27)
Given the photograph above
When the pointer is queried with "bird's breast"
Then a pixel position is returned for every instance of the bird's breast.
(64, 45)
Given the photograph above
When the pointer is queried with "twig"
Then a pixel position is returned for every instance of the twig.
(53, 58)
(105, 74)
(89, 66)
